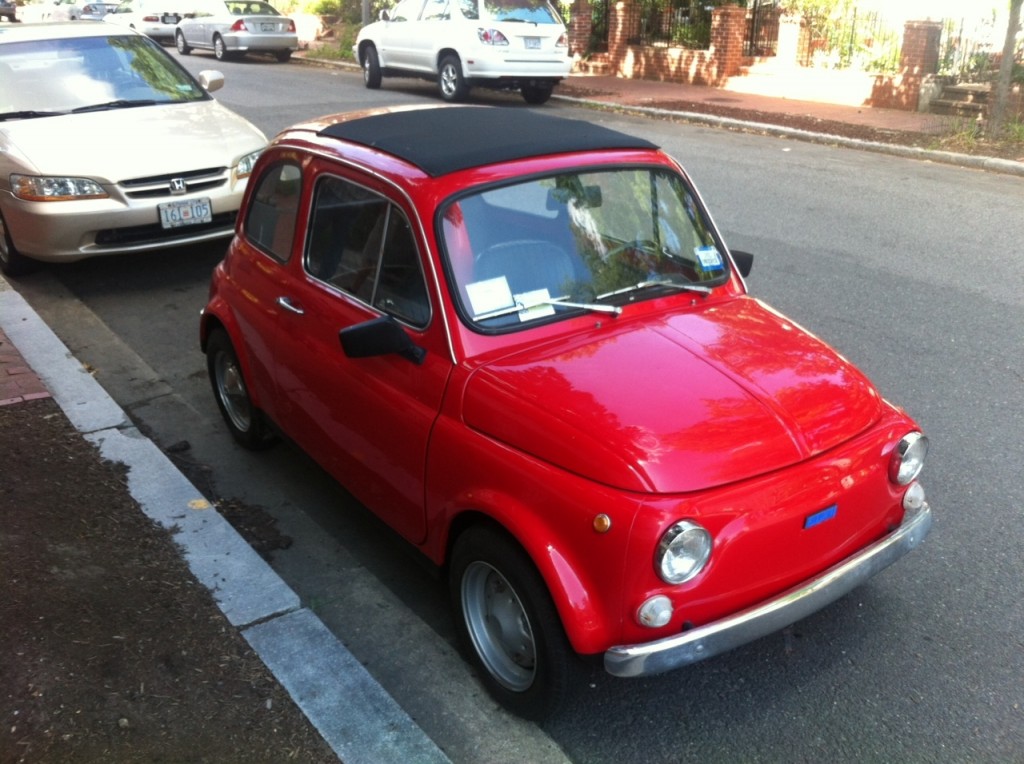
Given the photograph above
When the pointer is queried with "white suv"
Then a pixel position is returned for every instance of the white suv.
(505, 44)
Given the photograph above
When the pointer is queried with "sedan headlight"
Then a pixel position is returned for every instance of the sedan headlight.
(908, 458)
(682, 552)
(244, 167)
(33, 188)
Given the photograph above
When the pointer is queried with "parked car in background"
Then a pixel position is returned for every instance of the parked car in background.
(174, 175)
(8, 10)
(522, 342)
(96, 11)
(236, 27)
(155, 18)
(504, 44)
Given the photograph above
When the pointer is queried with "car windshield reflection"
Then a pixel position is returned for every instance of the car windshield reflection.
(555, 246)
(46, 77)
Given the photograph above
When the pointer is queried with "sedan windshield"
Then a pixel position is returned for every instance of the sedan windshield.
(48, 77)
(575, 242)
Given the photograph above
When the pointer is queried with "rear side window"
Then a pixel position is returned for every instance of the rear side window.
(362, 244)
(270, 221)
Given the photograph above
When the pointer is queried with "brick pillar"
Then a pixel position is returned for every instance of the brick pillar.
(920, 53)
(581, 22)
(728, 35)
(919, 59)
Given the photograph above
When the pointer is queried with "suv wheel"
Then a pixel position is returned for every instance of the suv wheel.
(371, 68)
(536, 95)
(450, 81)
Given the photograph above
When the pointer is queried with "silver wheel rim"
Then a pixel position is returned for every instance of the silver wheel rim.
(499, 627)
(366, 69)
(218, 48)
(449, 80)
(232, 392)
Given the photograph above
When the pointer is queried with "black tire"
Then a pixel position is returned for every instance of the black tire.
(246, 422)
(219, 51)
(509, 625)
(371, 68)
(535, 95)
(12, 262)
(180, 44)
(450, 82)
(283, 56)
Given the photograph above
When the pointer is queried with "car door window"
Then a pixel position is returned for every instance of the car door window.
(407, 10)
(435, 10)
(363, 244)
(270, 223)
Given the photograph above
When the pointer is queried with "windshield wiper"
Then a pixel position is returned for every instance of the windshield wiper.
(29, 114)
(682, 286)
(556, 302)
(121, 103)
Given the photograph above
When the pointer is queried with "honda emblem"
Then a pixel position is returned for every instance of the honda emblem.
(178, 186)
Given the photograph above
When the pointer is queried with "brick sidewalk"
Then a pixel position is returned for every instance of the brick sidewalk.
(17, 380)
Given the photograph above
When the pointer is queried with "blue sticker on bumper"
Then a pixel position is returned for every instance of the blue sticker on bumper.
(820, 517)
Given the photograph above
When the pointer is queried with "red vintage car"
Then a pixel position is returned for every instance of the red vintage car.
(521, 341)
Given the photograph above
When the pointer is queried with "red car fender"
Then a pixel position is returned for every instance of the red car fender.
(581, 567)
(217, 313)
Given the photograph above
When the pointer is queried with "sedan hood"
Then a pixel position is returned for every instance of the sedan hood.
(118, 144)
(676, 403)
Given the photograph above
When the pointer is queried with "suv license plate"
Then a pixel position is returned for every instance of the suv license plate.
(532, 43)
(185, 212)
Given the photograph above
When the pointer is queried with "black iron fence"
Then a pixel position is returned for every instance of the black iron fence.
(762, 28)
(676, 23)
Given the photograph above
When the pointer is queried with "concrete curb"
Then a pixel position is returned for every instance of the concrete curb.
(353, 713)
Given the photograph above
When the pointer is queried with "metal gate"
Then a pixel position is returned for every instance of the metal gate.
(762, 29)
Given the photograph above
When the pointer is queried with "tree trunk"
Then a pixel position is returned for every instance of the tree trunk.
(998, 118)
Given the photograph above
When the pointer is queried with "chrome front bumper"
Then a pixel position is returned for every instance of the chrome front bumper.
(774, 614)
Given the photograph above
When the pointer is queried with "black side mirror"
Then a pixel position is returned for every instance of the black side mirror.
(379, 336)
(744, 261)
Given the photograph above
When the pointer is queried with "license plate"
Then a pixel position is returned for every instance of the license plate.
(532, 43)
(185, 212)
(267, 27)
(170, 19)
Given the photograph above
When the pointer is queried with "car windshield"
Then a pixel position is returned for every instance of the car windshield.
(248, 9)
(47, 77)
(533, 11)
(579, 241)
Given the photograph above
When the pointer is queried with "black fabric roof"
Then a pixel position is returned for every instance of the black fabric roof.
(441, 140)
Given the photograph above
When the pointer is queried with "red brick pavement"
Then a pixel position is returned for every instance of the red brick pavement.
(17, 380)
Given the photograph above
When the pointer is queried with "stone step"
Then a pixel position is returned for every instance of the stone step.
(966, 93)
(956, 107)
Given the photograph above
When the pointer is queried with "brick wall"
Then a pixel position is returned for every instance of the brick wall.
(723, 59)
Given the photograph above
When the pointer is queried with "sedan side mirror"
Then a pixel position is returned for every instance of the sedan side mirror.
(744, 261)
(211, 80)
(379, 336)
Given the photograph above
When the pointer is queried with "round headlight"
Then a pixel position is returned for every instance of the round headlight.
(682, 552)
(908, 458)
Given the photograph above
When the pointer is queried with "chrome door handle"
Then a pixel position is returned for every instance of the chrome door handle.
(287, 304)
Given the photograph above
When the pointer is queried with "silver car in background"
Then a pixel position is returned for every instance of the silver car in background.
(236, 27)
(172, 168)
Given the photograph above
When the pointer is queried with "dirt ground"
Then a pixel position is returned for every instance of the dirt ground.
(112, 652)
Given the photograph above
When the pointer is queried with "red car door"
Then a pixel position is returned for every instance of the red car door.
(366, 420)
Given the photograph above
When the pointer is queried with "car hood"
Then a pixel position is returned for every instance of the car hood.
(139, 142)
(675, 403)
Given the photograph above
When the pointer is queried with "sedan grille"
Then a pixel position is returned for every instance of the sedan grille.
(158, 186)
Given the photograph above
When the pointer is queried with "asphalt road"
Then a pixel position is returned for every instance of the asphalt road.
(912, 270)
